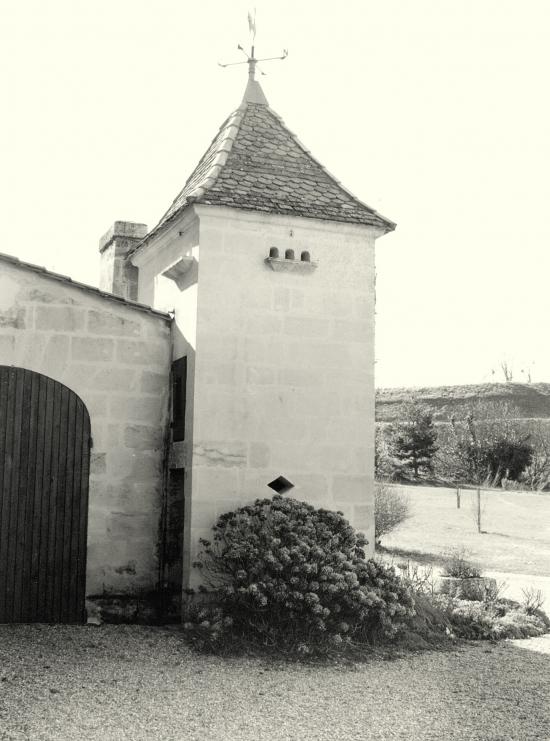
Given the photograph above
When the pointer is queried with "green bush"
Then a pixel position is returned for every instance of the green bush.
(458, 565)
(286, 576)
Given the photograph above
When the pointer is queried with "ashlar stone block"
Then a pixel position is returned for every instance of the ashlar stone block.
(7, 345)
(146, 467)
(281, 299)
(258, 375)
(109, 323)
(15, 317)
(222, 374)
(98, 464)
(311, 487)
(204, 514)
(352, 489)
(259, 455)
(142, 437)
(353, 331)
(301, 377)
(29, 350)
(260, 324)
(143, 353)
(115, 379)
(301, 326)
(224, 454)
(216, 482)
(363, 517)
(137, 408)
(59, 318)
(153, 383)
(97, 405)
(56, 354)
(100, 350)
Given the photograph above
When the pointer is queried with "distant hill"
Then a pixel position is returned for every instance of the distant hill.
(532, 400)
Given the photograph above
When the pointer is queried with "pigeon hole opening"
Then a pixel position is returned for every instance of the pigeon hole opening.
(281, 485)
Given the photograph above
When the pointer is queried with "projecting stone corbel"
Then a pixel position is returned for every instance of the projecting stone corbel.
(178, 271)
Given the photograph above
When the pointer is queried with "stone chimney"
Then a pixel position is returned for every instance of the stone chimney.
(117, 274)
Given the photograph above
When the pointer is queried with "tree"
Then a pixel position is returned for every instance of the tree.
(507, 371)
(391, 508)
(413, 440)
(508, 458)
(486, 446)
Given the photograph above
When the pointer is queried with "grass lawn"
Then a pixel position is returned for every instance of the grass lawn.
(516, 525)
(138, 683)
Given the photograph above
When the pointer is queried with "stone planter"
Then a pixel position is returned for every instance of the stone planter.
(471, 588)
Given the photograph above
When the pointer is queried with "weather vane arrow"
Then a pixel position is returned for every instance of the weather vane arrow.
(250, 58)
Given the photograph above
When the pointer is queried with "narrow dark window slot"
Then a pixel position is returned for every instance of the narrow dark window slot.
(179, 398)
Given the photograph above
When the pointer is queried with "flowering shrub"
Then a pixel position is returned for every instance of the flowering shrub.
(491, 620)
(294, 578)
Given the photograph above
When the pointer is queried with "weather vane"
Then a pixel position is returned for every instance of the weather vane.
(250, 58)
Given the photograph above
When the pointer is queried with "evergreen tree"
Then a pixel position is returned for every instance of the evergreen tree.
(413, 439)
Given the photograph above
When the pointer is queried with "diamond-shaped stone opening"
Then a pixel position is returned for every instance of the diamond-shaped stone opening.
(281, 485)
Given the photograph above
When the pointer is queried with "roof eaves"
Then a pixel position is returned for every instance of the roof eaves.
(160, 227)
(344, 219)
(83, 286)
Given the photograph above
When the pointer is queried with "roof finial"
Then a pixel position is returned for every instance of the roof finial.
(251, 58)
(252, 66)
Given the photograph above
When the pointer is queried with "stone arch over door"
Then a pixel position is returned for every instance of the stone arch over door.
(44, 471)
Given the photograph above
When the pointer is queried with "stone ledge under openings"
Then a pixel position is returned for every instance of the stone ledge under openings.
(289, 263)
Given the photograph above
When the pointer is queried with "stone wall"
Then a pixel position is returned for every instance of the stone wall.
(180, 242)
(116, 358)
(281, 363)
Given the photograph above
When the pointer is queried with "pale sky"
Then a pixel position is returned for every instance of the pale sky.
(436, 113)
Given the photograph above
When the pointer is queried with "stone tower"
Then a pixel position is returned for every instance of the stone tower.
(268, 264)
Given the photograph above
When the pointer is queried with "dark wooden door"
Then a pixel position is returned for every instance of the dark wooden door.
(44, 469)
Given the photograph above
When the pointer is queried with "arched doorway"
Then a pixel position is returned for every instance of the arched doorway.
(44, 470)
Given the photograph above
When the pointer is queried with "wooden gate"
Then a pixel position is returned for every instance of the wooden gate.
(44, 468)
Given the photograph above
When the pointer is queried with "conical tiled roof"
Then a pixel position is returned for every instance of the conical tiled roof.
(256, 163)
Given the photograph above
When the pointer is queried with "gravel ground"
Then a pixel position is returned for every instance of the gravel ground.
(129, 682)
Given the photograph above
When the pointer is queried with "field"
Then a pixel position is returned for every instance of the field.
(515, 537)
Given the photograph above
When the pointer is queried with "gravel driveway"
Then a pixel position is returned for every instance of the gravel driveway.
(130, 682)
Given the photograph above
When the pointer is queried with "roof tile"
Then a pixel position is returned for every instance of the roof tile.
(268, 169)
